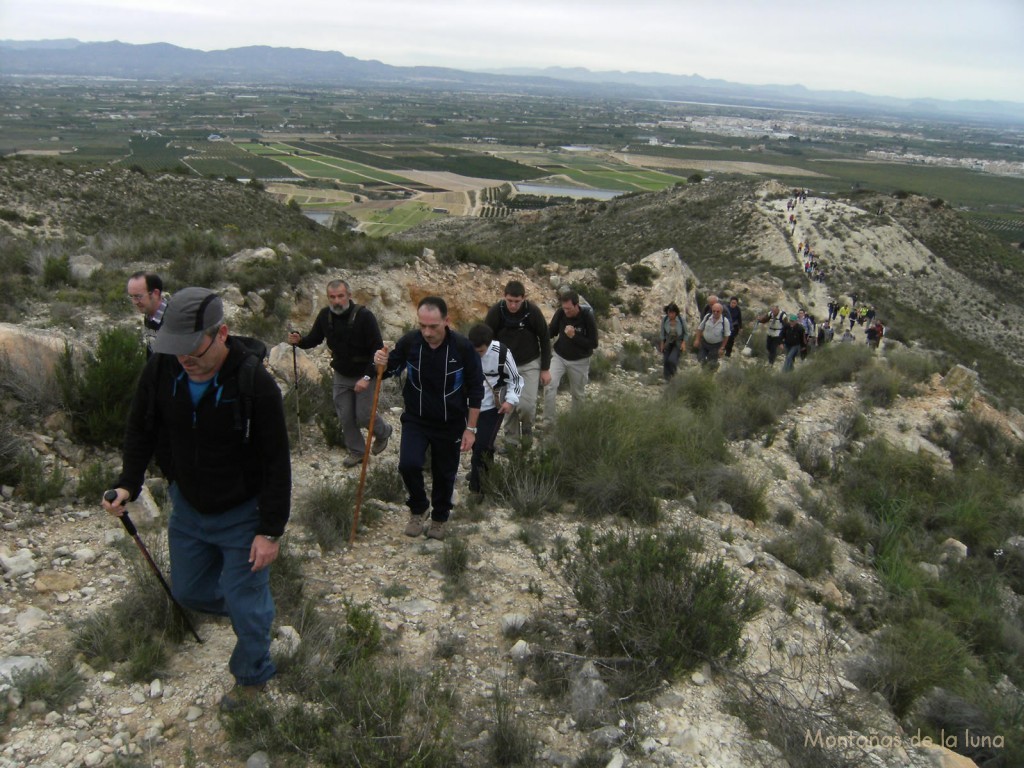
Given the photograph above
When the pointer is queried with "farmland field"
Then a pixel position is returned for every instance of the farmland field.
(397, 219)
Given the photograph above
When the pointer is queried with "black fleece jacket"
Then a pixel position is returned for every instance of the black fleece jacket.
(525, 332)
(203, 449)
(352, 342)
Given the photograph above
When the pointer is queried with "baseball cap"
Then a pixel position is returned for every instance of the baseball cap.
(189, 312)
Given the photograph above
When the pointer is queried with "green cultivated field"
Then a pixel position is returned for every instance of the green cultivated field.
(397, 219)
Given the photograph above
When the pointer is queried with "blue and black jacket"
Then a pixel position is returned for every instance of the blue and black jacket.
(442, 384)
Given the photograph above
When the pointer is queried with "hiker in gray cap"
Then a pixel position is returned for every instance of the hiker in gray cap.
(212, 415)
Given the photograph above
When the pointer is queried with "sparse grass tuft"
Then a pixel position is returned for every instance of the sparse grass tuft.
(512, 743)
(58, 685)
(137, 630)
(326, 509)
(527, 483)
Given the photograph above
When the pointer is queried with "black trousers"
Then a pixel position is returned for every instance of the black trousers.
(444, 442)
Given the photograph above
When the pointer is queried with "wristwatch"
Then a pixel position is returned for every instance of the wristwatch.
(272, 539)
(366, 378)
(471, 429)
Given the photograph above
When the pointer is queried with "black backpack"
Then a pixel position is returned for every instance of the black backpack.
(256, 353)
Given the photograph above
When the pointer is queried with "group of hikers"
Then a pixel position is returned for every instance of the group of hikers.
(212, 417)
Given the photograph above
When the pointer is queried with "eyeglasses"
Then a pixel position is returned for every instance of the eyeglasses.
(196, 357)
(138, 296)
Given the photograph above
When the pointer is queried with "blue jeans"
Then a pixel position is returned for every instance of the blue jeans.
(445, 443)
(211, 572)
(791, 353)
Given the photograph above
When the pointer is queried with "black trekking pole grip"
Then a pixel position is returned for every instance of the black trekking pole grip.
(126, 521)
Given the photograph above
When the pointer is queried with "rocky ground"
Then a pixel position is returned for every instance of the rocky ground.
(60, 564)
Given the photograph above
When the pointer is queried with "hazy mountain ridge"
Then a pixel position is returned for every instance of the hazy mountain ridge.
(264, 64)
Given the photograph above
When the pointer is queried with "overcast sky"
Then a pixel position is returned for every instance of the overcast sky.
(908, 48)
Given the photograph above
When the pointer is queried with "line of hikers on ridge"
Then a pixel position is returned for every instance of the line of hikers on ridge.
(794, 333)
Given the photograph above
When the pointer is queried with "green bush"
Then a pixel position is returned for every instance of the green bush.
(807, 550)
(746, 495)
(634, 357)
(641, 274)
(656, 599)
(879, 386)
(600, 369)
(607, 277)
(637, 451)
(93, 480)
(913, 365)
(910, 659)
(35, 484)
(99, 396)
(56, 271)
(454, 558)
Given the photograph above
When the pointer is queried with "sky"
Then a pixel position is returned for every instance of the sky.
(967, 49)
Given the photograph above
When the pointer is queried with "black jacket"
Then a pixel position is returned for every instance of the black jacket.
(352, 341)
(583, 343)
(202, 449)
(525, 332)
(441, 384)
(794, 335)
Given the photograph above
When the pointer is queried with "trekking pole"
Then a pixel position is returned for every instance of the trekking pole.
(129, 526)
(366, 455)
(295, 383)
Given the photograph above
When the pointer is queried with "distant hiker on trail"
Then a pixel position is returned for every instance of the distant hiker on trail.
(574, 330)
(794, 337)
(502, 387)
(711, 335)
(225, 456)
(146, 293)
(735, 316)
(833, 309)
(774, 319)
(874, 334)
(520, 325)
(444, 387)
(825, 333)
(352, 335)
(712, 300)
(847, 336)
(672, 340)
(811, 338)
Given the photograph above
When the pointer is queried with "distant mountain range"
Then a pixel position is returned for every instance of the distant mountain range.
(267, 65)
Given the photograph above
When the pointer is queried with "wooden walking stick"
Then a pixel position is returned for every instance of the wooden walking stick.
(366, 455)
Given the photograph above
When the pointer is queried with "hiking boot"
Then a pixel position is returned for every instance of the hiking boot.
(415, 526)
(380, 443)
(240, 696)
(352, 460)
(436, 530)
